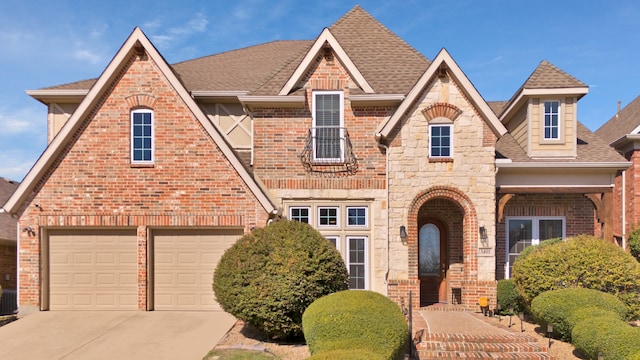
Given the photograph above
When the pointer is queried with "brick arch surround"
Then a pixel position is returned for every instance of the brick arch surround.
(469, 235)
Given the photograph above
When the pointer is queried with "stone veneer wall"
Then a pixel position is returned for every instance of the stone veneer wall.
(467, 179)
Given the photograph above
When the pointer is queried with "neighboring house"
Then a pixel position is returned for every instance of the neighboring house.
(622, 132)
(154, 169)
(8, 227)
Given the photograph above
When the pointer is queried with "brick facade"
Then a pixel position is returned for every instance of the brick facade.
(94, 184)
(578, 211)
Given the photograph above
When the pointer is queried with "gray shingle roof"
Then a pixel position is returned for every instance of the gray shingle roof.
(622, 123)
(546, 76)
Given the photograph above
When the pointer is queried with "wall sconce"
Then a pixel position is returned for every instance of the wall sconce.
(483, 237)
(29, 230)
(403, 234)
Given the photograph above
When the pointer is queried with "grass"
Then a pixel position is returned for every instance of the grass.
(238, 354)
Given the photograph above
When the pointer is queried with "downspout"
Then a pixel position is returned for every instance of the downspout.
(386, 152)
(624, 212)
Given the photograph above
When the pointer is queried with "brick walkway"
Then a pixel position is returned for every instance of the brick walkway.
(447, 333)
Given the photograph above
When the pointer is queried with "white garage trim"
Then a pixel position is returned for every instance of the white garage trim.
(183, 264)
(92, 269)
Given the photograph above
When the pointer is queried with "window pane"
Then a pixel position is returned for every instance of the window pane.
(520, 236)
(440, 141)
(357, 216)
(328, 216)
(550, 229)
(300, 214)
(356, 266)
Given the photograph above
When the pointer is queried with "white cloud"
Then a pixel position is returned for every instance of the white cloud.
(19, 122)
(176, 34)
(85, 54)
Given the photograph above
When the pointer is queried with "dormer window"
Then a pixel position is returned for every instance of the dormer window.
(551, 129)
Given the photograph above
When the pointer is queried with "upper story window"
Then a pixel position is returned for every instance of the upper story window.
(440, 141)
(328, 126)
(551, 128)
(142, 136)
(357, 216)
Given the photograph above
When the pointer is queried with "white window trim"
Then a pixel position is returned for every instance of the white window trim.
(337, 240)
(309, 211)
(450, 126)
(366, 217)
(542, 125)
(313, 115)
(338, 216)
(153, 141)
(535, 233)
(366, 257)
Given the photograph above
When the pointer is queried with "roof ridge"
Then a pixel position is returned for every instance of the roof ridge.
(236, 50)
(359, 9)
(542, 66)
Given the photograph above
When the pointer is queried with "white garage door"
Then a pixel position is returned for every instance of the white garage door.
(94, 270)
(184, 263)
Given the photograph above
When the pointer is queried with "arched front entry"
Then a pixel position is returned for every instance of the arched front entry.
(442, 243)
(432, 261)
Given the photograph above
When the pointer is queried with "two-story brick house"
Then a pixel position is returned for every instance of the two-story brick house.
(622, 133)
(154, 169)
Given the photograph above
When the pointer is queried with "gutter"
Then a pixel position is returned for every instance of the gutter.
(379, 138)
(561, 165)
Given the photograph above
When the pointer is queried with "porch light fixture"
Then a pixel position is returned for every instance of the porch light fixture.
(403, 234)
(483, 236)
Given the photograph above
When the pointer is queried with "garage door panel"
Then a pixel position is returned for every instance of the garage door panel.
(93, 270)
(184, 263)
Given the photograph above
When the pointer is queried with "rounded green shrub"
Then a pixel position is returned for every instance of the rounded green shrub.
(634, 243)
(344, 354)
(356, 319)
(529, 249)
(582, 261)
(609, 336)
(508, 298)
(558, 307)
(270, 276)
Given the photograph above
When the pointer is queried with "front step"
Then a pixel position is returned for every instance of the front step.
(454, 346)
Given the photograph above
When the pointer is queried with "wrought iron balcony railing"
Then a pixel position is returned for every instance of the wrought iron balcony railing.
(329, 150)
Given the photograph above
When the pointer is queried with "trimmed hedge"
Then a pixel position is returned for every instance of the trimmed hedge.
(508, 298)
(609, 336)
(270, 276)
(544, 243)
(563, 308)
(634, 243)
(356, 319)
(353, 354)
(580, 262)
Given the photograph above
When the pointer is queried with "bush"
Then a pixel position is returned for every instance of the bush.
(508, 298)
(609, 336)
(357, 354)
(353, 320)
(270, 276)
(529, 249)
(634, 243)
(582, 261)
(560, 308)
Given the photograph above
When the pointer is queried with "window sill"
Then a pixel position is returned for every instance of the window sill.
(136, 166)
(441, 160)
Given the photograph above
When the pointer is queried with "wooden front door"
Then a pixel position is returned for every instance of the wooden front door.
(432, 263)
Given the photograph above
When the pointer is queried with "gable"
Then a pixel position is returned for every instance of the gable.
(137, 47)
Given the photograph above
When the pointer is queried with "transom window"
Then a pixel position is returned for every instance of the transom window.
(356, 216)
(299, 214)
(440, 144)
(523, 232)
(327, 216)
(551, 120)
(328, 126)
(142, 136)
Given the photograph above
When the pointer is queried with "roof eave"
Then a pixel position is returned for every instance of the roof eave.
(579, 92)
(617, 165)
(47, 96)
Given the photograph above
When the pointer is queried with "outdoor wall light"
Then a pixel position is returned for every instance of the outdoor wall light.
(403, 234)
(483, 236)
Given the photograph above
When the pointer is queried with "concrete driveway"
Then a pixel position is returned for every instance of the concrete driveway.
(113, 335)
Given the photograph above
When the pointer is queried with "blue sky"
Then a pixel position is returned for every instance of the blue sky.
(497, 43)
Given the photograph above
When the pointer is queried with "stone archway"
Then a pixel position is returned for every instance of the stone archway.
(455, 209)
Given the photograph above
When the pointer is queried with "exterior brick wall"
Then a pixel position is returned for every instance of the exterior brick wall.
(93, 183)
(578, 210)
(8, 262)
